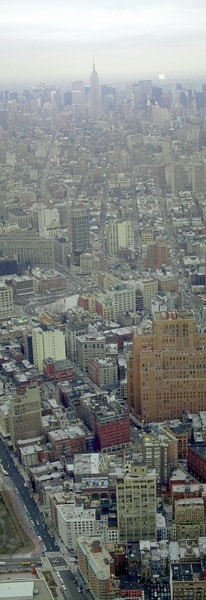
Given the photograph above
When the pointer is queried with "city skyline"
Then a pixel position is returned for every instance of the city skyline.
(46, 42)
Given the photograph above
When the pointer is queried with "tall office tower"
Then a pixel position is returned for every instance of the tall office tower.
(167, 370)
(199, 178)
(6, 301)
(78, 229)
(47, 344)
(181, 175)
(94, 92)
(78, 93)
(136, 503)
(119, 235)
(25, 415)
(141, 92)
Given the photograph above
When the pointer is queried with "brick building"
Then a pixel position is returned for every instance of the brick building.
(67, 442)
(197, 461)
(58, 370)
(108, 419)
(167, 369)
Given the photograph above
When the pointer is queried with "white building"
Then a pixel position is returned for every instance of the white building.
(74, 521)
(47, 344)
(119, 235)
(123, 299)
(48, 221)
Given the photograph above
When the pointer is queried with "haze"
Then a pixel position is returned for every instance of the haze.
(56, 41)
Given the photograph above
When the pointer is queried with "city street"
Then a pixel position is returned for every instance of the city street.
(29, 504)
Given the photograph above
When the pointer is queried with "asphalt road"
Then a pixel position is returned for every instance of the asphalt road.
(19, 564)
(71, 585)
(33, 512)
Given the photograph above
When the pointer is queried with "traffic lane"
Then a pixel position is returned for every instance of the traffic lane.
(58, 562)
(71, 585)
(20, 565)
(28, 501)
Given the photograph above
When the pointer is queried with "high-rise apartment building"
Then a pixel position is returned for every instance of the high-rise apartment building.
(47, 344)
(25, 415)
(136, 503)
(167, 370)
(94, 93)
(78, 229)
(119, 235)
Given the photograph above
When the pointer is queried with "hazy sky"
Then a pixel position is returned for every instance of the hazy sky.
(55, 40)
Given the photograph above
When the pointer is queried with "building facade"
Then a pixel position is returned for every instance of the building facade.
(136, 504)
(167, 371)
(95, 565)
(47, 344)
(78, 229)
(25, 415)
(6, 301)
(119, 235)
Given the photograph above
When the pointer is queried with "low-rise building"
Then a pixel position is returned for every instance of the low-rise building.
(67, 441)
(189, 518)
(23, 285)
(58, 370)
(48, 281)
(187, 574)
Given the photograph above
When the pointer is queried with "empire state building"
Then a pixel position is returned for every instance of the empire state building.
(94, 92)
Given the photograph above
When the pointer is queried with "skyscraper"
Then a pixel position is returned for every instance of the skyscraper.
(94, 92)
(78, 93)
(78, 229)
